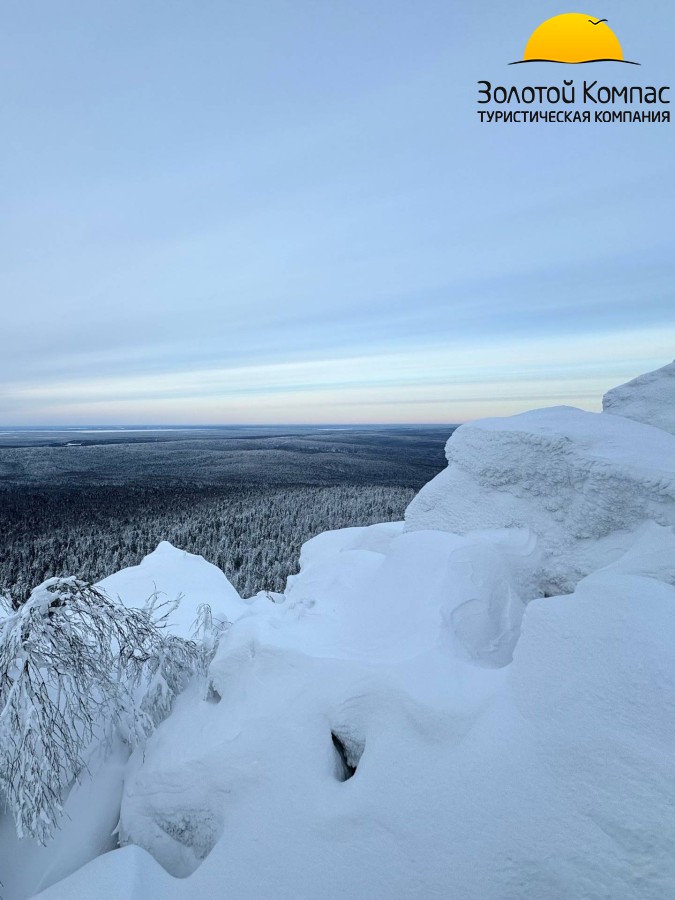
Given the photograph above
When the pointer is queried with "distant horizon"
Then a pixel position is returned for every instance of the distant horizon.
(174, 426)
(306, 221)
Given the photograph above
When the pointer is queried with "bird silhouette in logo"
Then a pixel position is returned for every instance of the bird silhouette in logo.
(567, 39)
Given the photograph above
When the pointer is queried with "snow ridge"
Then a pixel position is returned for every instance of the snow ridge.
(582, 481)
(649, 398)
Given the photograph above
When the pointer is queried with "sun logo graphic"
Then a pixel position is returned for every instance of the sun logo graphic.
(573, 38)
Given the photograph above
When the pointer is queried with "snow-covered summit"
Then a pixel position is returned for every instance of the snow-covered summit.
(649, 398)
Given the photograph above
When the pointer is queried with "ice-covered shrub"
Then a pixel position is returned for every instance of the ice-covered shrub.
(77, 667)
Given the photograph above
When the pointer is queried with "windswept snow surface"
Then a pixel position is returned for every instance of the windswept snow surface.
(417, 716)
(583, 482)
(649, 398)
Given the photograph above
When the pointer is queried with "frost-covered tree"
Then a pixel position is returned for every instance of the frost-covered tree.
(76, 667)
(176, 659)
(254, 534)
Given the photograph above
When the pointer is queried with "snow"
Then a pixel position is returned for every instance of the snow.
(583, 482)
(649, 398)
(498, 670)
(90, 816)
(176, 574)
(92, 808)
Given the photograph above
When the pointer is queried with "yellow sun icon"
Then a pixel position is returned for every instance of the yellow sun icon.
(573, 38)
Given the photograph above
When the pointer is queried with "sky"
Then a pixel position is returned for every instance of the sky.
(289, 212)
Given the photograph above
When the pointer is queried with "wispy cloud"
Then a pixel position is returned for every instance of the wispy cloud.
(297, 216)
(441, 383)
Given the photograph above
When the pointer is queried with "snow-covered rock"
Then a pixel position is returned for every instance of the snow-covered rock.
(179, 578)
(649, 398)
(582, 482)
(549, 777)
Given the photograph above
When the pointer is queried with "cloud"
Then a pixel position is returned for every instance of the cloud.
(229, 226)
(441, 383)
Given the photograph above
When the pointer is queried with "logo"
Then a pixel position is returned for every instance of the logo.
(573, 38)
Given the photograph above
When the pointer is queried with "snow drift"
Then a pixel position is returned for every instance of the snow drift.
(475, 703)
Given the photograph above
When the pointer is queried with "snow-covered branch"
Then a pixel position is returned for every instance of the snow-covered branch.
(76, 666)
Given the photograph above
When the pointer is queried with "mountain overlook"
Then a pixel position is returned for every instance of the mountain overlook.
(475, 702)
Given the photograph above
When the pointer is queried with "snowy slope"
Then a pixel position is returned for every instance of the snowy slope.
(649, 398)
(90, 816)
(474, 704)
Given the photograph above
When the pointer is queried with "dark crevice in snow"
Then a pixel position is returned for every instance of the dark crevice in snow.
(212, 695)
(556, 590)
(346, 766)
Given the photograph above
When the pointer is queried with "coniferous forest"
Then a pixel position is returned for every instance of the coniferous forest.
(247, 505)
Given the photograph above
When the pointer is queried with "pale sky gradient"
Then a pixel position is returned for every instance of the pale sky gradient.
(287, 211)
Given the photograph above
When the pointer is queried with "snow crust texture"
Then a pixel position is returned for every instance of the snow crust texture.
(474, 703)
(649, 398)
(582, 482)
